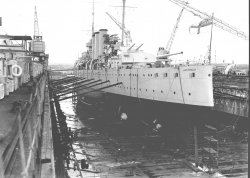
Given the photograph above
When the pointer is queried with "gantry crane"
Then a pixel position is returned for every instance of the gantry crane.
(126, 31)
(217, 22)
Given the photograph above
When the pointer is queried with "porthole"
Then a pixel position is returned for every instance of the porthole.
(161, 91)
(153, 90)
(174, 92)
(209, 75)
(192, 75)
(189, 94)
(146, 89)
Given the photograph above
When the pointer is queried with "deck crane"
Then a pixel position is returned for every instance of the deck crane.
(170, 41)
(217, 22)
(126, 31)
(164, 53)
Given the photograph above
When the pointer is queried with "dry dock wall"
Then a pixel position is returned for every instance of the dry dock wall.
(235, 107)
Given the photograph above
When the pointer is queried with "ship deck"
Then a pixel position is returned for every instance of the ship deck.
(8, 116)
(21, 141)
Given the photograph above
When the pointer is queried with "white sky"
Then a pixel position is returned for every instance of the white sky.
(66, 26)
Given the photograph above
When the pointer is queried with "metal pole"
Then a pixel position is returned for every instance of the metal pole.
(21, 144)
(123, 20)
(195, 146)
(93, 16)
(30, 142)
(1, 167)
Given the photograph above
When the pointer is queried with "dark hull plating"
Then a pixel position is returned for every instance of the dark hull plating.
(112, 106)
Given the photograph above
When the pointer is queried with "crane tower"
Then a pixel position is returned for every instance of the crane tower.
(37, 44)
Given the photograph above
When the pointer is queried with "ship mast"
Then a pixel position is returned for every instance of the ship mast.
(93, 23)
(123, 19)
(93, 15)
(210, 45)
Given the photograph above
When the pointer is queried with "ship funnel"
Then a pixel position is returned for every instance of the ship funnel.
(96, 51)
(93, 46)
(102, 33)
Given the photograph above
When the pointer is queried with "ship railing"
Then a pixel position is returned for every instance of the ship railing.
(27, 139)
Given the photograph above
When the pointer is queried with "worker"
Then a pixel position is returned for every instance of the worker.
(84, 165)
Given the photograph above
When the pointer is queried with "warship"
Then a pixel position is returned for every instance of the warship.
(131, 81)
(132, 77)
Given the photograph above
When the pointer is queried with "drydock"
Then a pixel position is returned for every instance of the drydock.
(55, 138)
(126, 114)
(96, 146)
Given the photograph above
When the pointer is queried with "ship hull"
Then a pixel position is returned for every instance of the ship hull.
(113, 105)
(172, 94)
(108, 108)
(187, 85)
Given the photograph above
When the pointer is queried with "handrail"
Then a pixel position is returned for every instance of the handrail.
(24, 133)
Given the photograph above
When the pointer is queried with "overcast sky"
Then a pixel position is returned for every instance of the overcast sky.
(66, 26)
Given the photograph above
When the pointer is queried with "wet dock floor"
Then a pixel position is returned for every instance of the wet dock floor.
(111, 152)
